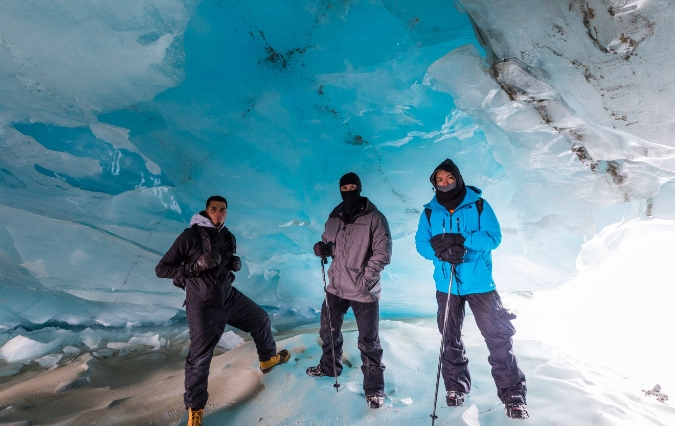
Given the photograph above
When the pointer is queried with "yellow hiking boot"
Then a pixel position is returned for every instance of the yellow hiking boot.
(195, 417)
(280, 358)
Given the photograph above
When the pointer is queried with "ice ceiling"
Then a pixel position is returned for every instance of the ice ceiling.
(118, 119)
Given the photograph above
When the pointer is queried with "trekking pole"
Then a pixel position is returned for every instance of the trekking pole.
(330, 325)
(440, 356)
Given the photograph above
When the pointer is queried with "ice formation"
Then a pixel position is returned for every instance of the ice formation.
(118, 120)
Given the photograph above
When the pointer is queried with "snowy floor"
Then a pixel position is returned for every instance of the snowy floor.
(592, 350)
(562, 390)
(145, 387)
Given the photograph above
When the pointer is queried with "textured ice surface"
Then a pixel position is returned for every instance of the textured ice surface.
(28, 346)
(71, 350)
(274, 105)
(49, 360)
(148, 339)
(90, 338)
(269, 105)
(66, 62)
(229, 340)
(117, 121)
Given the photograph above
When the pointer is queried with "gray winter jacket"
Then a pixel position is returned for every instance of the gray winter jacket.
(360, 250)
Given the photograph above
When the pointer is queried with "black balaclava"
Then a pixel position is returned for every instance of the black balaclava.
(351, 200)
(450, 196)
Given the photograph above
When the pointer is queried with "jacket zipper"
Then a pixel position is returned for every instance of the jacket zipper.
(455, 268)
(445, 274)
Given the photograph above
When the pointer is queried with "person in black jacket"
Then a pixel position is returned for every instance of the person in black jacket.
(202, 260)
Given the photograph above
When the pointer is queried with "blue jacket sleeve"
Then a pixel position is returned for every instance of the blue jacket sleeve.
(489, 236)
(422, 237)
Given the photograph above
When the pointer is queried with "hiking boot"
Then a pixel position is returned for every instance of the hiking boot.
(315, 371)
(454, 398)
(280, 358)
(375, 400)
(516, 411)
(195, 417)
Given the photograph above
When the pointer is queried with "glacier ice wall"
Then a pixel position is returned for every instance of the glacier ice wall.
(117, 122)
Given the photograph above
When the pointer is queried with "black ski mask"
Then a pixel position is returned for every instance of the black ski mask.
(451, 195)
(351, 200)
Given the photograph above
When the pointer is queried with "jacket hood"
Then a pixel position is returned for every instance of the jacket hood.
(472, 195)
(449, 166)
(201, 219)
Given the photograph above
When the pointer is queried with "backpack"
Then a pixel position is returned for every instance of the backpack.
(206, 246)
(479, 207)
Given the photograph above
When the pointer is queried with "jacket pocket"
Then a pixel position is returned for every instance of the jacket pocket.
(357, 278)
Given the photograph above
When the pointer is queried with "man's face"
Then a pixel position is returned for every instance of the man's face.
(348, 187)
(217, 211)
(444, 178)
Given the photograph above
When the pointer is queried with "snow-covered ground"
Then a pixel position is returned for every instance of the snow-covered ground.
(118, 120)
(592, 350)
(145, 387)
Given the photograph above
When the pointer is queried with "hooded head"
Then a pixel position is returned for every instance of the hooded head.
(350, 178)
(449, 195)
(350, 190)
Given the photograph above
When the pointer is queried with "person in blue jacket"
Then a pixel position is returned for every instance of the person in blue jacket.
(458, 231)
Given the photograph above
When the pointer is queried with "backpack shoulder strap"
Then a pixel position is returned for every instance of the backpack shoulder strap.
(206, 241)
(427, 212)
(479, 208)
(233, 241)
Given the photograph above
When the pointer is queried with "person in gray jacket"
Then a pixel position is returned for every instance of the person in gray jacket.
(358, 240)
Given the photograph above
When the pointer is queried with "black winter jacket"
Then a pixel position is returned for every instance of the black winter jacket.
(213, 286)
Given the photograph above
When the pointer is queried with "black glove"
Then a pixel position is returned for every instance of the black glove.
(205, 262)
(442, 242)
(235, 263)
(454, 255)
(321, 249)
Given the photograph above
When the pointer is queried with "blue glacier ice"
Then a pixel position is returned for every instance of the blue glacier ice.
(118, 119)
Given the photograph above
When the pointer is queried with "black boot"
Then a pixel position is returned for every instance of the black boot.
(315, 371)
(516, 411)
(375, 400)
(454, 398)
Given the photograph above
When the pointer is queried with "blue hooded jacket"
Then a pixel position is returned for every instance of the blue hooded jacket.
(482, 233)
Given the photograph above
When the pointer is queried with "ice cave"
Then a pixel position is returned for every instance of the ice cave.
(119, 119)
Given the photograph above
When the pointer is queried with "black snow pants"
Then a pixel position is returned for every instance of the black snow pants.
(368, 322)
(207, 323)
(494, 323)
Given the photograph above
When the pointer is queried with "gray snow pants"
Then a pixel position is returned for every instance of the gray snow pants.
(368, 323)
(207, 324)
(494, 323)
